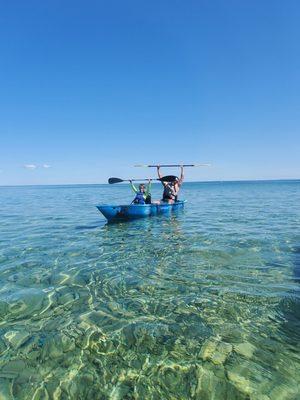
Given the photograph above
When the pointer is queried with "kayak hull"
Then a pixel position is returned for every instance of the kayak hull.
(135, 211)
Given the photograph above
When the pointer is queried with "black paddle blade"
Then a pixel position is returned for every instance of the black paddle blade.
(168, 178)
(114, 180)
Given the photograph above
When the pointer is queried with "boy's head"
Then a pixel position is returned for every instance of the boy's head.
(142, 187)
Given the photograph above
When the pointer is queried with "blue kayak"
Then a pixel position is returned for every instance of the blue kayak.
(134, 211)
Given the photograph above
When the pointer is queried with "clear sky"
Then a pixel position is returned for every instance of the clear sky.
(89, 88)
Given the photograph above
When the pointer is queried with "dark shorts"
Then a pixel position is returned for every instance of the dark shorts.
(167, 198)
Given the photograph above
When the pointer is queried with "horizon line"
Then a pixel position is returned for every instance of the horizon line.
(208, 181)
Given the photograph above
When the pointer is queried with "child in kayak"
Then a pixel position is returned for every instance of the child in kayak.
(143, 195)
(171, 189)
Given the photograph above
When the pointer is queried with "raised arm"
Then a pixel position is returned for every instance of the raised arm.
(148, 188)
(181, 176)
(159, 175)
(133, 187)
(158, 172)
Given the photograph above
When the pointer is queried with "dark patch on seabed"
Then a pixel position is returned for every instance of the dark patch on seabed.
(87, 227)
(297, 264)
(290, 306)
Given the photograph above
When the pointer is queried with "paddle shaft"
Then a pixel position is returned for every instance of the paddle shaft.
(173, 165)
(168, 178)
(139, 180)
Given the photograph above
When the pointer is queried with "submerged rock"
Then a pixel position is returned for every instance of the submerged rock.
(12, 369)
(101, 320)
(245, 349)
(24, 303)
(41, 393)
(241, 383)
(213, 384)
(208, 349)
(221, 353)
(147, 336)
(284, 392)
(16, 338)
(215, 351)
(56, 346)
(3, 346)
(3, 309)
(6, 389)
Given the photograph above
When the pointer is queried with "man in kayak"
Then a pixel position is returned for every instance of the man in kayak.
(142, 194)
(171, 189)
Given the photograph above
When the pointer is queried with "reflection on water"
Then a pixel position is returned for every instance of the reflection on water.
(203, 304)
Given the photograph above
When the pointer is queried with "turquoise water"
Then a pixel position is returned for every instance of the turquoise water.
(203, 304)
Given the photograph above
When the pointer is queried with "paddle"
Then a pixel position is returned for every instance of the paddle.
(172, 165)
(168, 178)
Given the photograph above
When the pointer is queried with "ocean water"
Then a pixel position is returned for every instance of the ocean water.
(202, 304)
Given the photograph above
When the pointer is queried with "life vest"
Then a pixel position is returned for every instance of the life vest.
(169, 192)
(139, 198)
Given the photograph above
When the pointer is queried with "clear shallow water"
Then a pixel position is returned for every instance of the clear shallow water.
(204, 304)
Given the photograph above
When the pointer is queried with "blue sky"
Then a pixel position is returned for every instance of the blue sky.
(89, 88)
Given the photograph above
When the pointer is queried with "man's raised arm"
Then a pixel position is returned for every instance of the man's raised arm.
(158, 172)
(181, 176)
(159, 175)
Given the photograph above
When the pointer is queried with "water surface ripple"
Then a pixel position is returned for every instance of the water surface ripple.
(203, 304)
